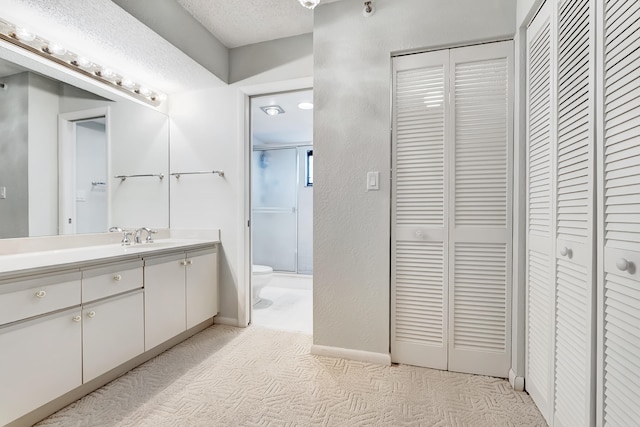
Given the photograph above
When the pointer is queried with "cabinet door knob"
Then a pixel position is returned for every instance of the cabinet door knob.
(565, 251)
(189, 262)
(117, 277)
(91, 314)
(76, 318)
(41, 294)
(183, 262)
(622, 264)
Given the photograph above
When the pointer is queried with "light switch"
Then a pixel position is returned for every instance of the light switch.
(3, 192)
(373, 181)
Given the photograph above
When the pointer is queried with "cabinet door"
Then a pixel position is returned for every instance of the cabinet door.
(39, 361)
(619, 162)
(202, 287)
(164, 299)
(112, 333)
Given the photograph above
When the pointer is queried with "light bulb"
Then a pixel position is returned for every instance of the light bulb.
(126, 83)
(309, 4)
(25, 35)
(83, 62)
(56, 49)
(144, 91)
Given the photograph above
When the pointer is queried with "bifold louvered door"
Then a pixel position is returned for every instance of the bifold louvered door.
(451, 258)
(420, 220)
(619, 217)
(575, 208)
(480, 209)
(540, 218)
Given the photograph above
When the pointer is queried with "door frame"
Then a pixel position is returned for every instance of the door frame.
(245, 260)
(67, 164)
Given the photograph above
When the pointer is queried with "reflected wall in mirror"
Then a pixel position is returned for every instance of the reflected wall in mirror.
(61, 148)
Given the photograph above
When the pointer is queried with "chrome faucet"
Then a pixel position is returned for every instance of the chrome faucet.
(125, 234)
(138, 235)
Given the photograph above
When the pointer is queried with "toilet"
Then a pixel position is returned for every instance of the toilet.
(261, 276)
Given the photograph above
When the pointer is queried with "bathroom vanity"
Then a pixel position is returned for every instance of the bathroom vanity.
(73, 319)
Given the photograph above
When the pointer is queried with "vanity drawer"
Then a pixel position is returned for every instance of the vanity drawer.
(25, 298)
(111, 280)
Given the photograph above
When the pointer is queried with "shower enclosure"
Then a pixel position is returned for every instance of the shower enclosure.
(282, 203)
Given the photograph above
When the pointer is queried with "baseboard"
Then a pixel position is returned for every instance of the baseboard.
(230, 321)
(516, 382)
(347, 353)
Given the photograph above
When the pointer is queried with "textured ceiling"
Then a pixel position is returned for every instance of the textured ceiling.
(106, 34)
(242, 22)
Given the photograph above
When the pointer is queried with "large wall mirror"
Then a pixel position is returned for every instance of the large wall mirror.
(72, 161)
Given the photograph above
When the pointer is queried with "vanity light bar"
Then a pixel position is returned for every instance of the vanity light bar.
(58, 54)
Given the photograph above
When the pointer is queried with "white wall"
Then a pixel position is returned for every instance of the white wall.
(352, 76)
(208, 132)
(43, 156)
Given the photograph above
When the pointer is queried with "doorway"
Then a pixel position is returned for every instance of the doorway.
(281, 171)
(84, 185)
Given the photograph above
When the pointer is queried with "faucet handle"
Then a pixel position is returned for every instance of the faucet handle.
(149, 239)
(125, 237)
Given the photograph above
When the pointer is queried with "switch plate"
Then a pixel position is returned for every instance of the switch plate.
(3, 192)
(373, 181)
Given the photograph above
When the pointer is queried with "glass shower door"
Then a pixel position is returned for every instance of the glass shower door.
(274, 215)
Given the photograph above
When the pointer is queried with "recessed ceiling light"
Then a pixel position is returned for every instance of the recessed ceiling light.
(305, 106)
(272, 110)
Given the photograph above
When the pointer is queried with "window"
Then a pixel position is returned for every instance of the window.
(309, 180)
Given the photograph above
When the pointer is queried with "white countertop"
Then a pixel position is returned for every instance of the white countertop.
(38, 261)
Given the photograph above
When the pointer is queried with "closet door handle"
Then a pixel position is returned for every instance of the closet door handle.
(565, 251)
(622, 264)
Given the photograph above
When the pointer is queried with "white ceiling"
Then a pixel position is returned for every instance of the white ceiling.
(294, 126)
(242, 22)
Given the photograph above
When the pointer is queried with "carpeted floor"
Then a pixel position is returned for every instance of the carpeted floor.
(228, 376)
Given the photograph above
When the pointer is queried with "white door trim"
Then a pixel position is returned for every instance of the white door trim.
(244, 158)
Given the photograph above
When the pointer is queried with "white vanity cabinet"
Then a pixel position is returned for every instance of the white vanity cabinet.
(65, 330)
(164, 298)
(201, 286)
(40, 358)
(112, 333)
(181, 291)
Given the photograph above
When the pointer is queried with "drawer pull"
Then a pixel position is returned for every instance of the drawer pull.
(41, 294)
(117, 277)
(77, 318)
(91, 314)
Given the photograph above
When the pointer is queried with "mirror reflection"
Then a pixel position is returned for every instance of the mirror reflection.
(61, 151)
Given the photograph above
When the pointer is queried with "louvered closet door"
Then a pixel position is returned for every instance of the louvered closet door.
(540, 218)
(619, 158)
(419, 265)
(480, 209)
(575, 154)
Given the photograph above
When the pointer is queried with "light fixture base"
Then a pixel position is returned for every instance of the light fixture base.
(369, 9)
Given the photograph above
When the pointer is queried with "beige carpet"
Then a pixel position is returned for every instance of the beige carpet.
(227, 376)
